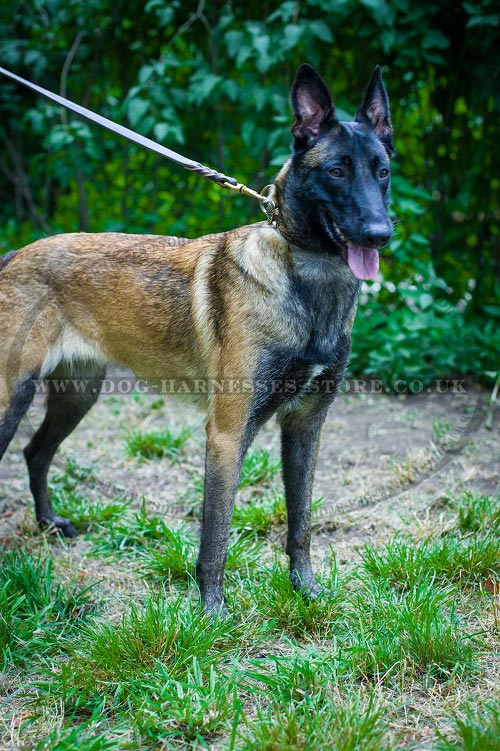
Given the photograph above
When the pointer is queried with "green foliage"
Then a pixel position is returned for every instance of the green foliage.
(173, 558)
(134, 532)
(83, 513)
(377, 632)
(196, 707)
(407, 634)
(214, 82)
(290, 678)
(290, 612)
(260, 513)
(68, 739)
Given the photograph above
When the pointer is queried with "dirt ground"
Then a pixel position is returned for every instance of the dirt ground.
(384, 463)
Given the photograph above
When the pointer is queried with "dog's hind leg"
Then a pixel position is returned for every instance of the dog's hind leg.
(14, 401)
(76, 392)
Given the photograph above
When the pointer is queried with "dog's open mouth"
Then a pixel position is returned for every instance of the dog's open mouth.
(363, 262)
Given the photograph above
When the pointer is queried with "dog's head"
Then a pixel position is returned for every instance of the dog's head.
(335, 189)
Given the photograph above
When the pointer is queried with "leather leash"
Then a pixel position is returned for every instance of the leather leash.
(265, 197)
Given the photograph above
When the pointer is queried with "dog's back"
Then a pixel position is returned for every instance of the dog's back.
(4, 260)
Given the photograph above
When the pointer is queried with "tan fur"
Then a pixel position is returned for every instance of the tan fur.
(145, 302)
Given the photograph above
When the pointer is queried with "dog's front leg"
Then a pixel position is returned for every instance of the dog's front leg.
(227, 441)
(300, 436)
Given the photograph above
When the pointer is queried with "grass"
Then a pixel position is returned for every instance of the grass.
(197, 707)
(86, 514)
(474, 731)
(157, 444)
(37, 613)
(175, 558)
(153, 671)
(259, 468)
(466, 560)
(131, 533)
(318, 723)
(376, 633)
(408, 634)
(290, 678)
(288, 612)
(113, 667)
(259, 514)
(69, 739)
(440, 430)
(478, 512)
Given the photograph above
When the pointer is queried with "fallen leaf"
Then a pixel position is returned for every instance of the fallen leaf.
(491, 585)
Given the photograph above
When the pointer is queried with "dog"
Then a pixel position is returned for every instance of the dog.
(269, 306)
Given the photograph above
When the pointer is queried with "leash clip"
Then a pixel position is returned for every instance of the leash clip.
(268, 205)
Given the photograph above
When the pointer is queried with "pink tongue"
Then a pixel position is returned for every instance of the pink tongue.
(363, 262)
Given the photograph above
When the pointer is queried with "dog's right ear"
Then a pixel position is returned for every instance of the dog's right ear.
(312, 107)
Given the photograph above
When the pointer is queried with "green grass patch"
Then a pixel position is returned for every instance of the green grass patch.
(113, 668)
(156, 444)
(37, 613)
(479, 513)
(197, 708)
(465, 560)
(289, 612)
(81, 738)
(259, 514)
(259, 468)
(475, 731)
(377, 632)
(320, 723)
(406, 634)
(86, 515)
(289, 678)
(131, 533)
(174, 559)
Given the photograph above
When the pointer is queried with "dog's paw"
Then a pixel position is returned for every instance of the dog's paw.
(216, 610)
(308, 587)
(58, 525)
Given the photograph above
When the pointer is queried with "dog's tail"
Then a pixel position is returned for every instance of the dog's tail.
(4, 260)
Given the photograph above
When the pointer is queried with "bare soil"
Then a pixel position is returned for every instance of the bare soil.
(384, 463)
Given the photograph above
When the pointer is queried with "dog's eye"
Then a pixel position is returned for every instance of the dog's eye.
(337, 172)
(383, 173)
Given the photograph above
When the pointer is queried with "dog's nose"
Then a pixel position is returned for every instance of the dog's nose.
(376, 236)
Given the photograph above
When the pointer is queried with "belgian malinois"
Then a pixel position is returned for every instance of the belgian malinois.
(270, 305)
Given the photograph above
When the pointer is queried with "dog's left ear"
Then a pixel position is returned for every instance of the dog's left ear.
(374, 110)
(312, 107)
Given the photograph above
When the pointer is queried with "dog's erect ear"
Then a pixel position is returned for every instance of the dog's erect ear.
(312, 106)
(374, 110)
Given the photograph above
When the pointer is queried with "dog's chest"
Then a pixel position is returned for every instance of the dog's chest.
(322, 298)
